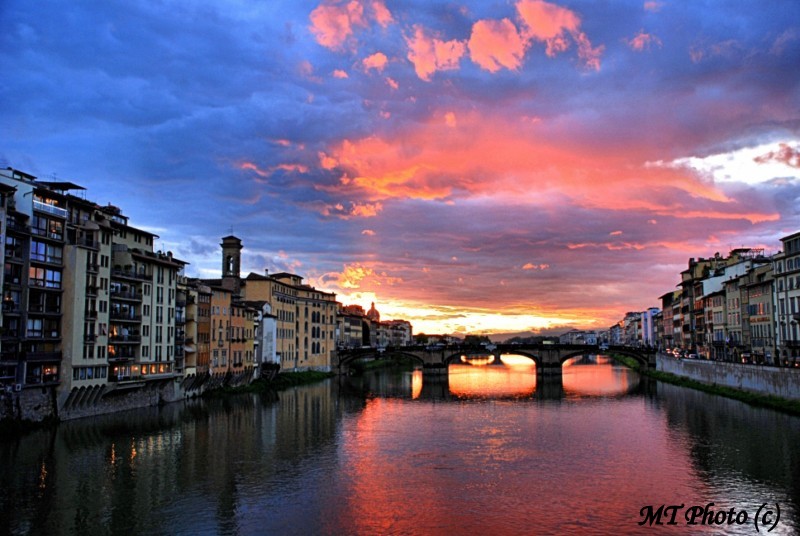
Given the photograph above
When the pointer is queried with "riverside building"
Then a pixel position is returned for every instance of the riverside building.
(89, 306)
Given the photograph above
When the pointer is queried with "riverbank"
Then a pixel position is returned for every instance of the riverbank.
(755, 399)
(283, 380)
(32, 410)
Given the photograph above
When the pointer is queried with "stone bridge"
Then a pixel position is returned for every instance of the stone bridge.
(549, 358)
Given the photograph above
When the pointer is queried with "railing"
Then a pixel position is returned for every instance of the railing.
(126, 295)
(131, 275)
(16, 226)
(50, 209)
(125, 317)
(125, 338)
(87, 242)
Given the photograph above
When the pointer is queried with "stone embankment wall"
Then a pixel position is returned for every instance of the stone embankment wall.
(39, 404)
(774, 381)
(33, 405)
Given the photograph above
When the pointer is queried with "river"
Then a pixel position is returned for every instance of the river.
(482, 450)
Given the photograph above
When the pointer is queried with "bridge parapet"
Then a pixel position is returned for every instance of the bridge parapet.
(548, 357)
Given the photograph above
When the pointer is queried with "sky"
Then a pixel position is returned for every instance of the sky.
(470, 166)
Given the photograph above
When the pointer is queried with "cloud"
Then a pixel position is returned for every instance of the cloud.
(785, 154)
(357, 276)
(348, 211)
(376, 61)
(643, 41)
(382, 15)
(532, 266)
(429, 54)
(332, 24)
(496, 44)
(551, 24)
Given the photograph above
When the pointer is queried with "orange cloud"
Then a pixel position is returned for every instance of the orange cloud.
(429, 54)
(496, 44)
(356, 276)
(531, 266)
(376, 61)
(643, 41)
(332, 25)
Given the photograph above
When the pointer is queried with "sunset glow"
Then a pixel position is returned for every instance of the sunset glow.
(470, 167)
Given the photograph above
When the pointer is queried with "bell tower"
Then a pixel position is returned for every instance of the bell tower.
(231, 263)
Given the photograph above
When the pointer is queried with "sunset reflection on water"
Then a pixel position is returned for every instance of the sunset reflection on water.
(598, 376)
(515, 378)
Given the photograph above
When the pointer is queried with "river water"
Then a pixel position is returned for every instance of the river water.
(483, 450)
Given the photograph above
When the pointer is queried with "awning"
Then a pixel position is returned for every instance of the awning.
(189, 348)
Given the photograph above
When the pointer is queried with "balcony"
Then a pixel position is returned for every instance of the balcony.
(92, 267)
(125, 317)
(38, 308)
(88, 243)
(43, 356)
(10, 307)
(130, 274)
(14, 225)
(120, 295)
(125, 339)
(50, 209)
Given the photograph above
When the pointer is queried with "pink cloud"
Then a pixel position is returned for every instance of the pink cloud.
(504, 158)
(382, 15)
(653, 6)
(643, 41)
(786, 154)
(496, 44)
(332, 24)
(338, 73)
(376, 61)
(551, 24)
(265, 173)
(429, 54)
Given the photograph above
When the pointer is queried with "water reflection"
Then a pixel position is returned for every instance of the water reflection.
(493, 381)
(597, 376)
(511, 376)
(330, 459)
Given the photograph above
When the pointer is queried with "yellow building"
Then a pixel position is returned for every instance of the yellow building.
(305, 316)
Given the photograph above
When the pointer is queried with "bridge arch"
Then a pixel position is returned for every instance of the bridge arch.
(373, 353)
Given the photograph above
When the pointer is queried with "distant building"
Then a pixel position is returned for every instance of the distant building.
(787, 300)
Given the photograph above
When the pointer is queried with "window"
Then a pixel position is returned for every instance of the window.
(34, 327)
(43, 226)
(45, 252)
(44, 277)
